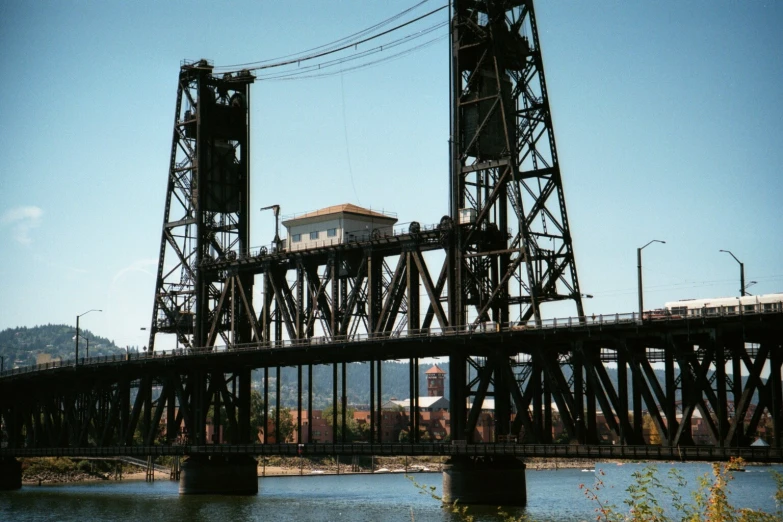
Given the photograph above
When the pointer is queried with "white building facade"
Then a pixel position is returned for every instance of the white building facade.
(336, 225)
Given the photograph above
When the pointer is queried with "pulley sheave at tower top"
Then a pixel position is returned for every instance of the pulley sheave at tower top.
(206, 215)
(513, 247)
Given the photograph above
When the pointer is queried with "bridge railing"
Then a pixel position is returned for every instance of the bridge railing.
(475, 328)
(563, 451)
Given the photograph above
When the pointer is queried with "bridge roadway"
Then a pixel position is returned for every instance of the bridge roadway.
(565, 451)
(514, 339)
(86, 409)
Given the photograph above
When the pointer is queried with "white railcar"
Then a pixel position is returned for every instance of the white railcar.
(725, 305)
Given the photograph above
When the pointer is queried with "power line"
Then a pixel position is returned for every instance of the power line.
(265, 65)
(683, 285)
(303, 71)
(346, 39)
(363, 65)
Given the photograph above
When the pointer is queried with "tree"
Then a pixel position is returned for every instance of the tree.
(287, 425)
(424, 436)
(256, 414)
(256, 418)
(649, 426)
(352, 431)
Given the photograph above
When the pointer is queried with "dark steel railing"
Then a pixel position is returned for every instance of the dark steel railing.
(566, 451)
(477, 329)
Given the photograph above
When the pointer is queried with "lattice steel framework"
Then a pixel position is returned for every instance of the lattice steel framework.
(513, 245)
(206, 212)
(507, 248)
(691, 400)
(511, 248)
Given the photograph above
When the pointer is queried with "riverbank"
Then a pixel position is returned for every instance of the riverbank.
(285, 466)
(55, 470)
(61, 470)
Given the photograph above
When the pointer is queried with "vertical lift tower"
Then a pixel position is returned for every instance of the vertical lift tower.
(512, 249)
(206, 217)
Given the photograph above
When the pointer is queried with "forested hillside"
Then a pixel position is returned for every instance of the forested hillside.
(394, 381)
(21, 346)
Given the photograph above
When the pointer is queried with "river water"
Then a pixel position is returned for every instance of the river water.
(552, 495)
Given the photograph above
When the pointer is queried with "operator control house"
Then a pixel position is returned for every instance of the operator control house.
(336, 225)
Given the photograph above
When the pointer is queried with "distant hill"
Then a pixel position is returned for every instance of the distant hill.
(394, 381)
(22, 346)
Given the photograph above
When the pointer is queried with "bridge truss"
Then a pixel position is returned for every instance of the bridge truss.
(119, 403)
(471, 289)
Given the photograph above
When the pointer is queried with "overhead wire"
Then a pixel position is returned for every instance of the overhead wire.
(347, 43)
(347, 39)
(355, 56)
(364, 65)
(683, 285)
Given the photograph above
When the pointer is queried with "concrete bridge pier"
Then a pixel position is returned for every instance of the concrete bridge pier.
(498, 480)
(10, 474)
(219, 475)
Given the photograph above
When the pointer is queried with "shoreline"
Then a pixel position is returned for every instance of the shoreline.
(307, 468)
(79, 478)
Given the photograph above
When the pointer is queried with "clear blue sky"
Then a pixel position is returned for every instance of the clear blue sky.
(668, 119)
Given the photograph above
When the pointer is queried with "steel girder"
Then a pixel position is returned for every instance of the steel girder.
(512, 250)
(505, 175)
(128, 408)
(693, 390)
(206, 213)
(376, 288)
(537, 377)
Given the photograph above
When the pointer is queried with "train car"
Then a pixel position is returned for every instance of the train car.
(725, 305)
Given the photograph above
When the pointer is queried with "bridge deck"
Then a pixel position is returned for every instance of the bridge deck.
(567, 451)
(434, 342)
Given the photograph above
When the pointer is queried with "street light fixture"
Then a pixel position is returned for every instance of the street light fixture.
(639, 267)
(88, 344)
(77, 331)
(144, 329)
(742, 272)
(276, 210)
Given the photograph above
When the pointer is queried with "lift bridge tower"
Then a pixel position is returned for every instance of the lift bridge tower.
(206, 214)
(516, 252)
(512, 248)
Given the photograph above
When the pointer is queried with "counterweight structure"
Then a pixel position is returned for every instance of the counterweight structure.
(513, 246)
(511, 250)
(206, 214)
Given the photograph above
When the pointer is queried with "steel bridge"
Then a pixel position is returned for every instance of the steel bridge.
(107, 404)
(473, 288)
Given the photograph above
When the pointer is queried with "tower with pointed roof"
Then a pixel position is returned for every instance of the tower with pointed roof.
(436, 382)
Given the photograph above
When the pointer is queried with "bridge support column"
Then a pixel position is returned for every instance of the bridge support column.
(10, 474)
(219, 475)
(498, 481)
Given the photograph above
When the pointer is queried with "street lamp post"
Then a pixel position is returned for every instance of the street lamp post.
(88, 343)
(742, 272)
(77, 331)
(639, 268)
(276, 210)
